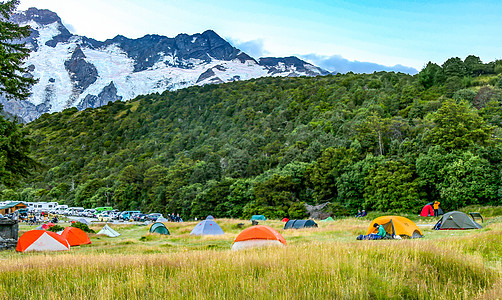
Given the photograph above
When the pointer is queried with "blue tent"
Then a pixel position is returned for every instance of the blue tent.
(258, 217)
(207, 227)
(210, 217)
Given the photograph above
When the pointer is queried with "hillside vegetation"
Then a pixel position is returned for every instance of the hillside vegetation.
(382, 141)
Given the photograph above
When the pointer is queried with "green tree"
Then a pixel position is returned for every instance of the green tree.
(457, 126)
(15, 161)
(13, 83)
(392, 186)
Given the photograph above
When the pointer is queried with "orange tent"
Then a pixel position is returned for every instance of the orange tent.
(75, 236)
(41, 240)
(258, 236)
(396, 225)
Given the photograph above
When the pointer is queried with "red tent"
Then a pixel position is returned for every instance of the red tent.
(427, 211)
(285, 220)
(41, 240)
(75, 236)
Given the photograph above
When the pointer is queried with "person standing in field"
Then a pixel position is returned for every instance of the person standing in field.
(436, 208)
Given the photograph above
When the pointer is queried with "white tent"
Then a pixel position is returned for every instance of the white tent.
(107, 230)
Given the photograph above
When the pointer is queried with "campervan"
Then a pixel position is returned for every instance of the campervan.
(37, 207)
(60, 209)
(73, 211)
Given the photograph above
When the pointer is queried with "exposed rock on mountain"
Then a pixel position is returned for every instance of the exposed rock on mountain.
(77, 71)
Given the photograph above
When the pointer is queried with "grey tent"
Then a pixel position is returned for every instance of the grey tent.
(162, 220)
(258, 217)
(207, 227)
(159, 228)
(107, 230)
(297, 224)
(83, 221)
(456, 220)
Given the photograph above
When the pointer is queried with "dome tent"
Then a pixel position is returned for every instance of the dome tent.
(159, 228)
(41, 240)
(396, 225)
(456, 220)
(258, 218)
(207, 227)
(297, 224)
(258, 236)
(328, 219)
(75, 236)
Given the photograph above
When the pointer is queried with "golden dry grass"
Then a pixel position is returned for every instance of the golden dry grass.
(325, 263)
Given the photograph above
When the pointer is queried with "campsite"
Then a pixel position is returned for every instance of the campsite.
(326, 261)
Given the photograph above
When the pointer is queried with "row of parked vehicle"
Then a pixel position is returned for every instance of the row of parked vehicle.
(127, 216)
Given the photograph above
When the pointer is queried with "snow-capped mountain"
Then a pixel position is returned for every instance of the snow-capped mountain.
(76, 71)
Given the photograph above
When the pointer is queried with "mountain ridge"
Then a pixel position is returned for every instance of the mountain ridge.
(78, 71)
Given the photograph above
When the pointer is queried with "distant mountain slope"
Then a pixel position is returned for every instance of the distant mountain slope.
(77, 71)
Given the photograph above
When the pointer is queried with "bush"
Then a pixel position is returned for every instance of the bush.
(55, 228)
(82, 226)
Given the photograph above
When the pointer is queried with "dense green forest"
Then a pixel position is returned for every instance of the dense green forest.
(382, 141)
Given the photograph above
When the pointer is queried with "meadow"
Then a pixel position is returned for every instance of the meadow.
(320, 263)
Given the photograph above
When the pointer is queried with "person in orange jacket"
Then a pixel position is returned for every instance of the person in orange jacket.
(436, 208)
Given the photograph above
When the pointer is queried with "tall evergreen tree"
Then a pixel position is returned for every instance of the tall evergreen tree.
(14, 147)
(13, 83)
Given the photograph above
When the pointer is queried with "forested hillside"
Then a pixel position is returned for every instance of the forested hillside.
(383, 141)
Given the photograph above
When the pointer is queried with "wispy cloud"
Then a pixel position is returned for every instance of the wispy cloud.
(337, 63)
(254, 48)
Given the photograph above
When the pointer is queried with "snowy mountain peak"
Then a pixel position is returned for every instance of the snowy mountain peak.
(77, 71)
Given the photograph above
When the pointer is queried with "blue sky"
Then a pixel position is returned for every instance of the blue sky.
(380, 32)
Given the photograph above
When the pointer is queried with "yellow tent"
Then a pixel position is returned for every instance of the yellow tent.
(396, 225)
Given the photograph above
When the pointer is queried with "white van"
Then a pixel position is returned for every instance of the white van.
(60, 209)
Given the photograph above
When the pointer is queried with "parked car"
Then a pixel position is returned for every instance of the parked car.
(138, 217)
(104, 217)
(154, 216)
(126, 215)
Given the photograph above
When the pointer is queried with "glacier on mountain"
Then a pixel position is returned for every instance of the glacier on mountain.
(76, 71)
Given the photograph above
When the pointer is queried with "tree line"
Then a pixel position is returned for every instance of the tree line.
(383, 141)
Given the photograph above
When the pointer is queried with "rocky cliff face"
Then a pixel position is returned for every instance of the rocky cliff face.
(77, 71)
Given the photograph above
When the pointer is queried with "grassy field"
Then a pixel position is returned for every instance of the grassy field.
(322, 263)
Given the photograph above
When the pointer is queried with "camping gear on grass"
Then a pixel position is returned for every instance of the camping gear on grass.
(258, 218)
(297, 224)
(258, 236)
(328, 219)
(107, 230)
(397, 226)
(207, 227)
(75, 236)
(456, 220)
(41, 240)
(159, 228)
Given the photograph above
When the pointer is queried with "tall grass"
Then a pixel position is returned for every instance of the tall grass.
(367, 270)
(322, 263)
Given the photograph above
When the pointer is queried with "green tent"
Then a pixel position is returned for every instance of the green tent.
(258, 218)
(328, 219)
(456, 220)
(159, 228)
